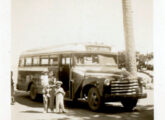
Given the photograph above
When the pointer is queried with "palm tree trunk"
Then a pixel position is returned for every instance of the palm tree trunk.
(129, 38)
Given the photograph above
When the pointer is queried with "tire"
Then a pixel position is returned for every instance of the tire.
(33, 92)
(94, 99)
(129, 104)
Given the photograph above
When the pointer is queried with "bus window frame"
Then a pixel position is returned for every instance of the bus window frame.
(66, 56)
(44, 57)
(38, 57)
(25, 64)
(20, 62)
(114, 56)
(54, 57)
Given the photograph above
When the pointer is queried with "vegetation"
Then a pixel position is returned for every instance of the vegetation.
(142, 60)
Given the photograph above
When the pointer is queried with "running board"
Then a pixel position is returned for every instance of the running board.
(68, 99)
(82, 99)
(79, 99)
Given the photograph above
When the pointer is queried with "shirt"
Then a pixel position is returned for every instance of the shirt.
(44, 80)
(59, 90)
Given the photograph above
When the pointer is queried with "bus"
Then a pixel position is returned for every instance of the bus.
(89, 72)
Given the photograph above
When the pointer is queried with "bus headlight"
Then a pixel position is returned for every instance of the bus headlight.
(107, 82)
(142, 83)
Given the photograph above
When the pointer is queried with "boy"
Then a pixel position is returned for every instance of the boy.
(59, 92)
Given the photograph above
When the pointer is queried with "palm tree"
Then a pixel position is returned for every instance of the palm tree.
(129, 38)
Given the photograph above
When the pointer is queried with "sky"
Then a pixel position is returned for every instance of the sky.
(42, 23)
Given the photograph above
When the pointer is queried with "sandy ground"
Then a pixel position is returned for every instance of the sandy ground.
(26, 109)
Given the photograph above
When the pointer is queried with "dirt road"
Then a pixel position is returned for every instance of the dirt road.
(26, 109)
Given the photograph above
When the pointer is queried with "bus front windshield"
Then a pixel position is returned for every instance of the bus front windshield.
(95, 59)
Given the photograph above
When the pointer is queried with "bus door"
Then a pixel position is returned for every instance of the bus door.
(54, 65)
(65, 66)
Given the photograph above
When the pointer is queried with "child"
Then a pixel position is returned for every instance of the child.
(59, 92)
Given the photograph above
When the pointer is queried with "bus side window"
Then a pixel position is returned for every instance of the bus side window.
(21, 62)
(53, 61)
(63, 61)
(44, 61)
(67, 60)
(36, 61)
(28, 61)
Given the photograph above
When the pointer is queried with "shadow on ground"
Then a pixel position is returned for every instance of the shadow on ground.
(112, 112)
(81, 110)
(24, 99)
(31, 111)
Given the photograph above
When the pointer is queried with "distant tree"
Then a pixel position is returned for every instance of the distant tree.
(140, 58)
(150, 56)
(149, 62)
(121, 59)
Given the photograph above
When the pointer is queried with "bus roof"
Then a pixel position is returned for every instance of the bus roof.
(70, 48)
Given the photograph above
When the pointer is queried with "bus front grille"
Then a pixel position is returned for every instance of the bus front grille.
(124, 87)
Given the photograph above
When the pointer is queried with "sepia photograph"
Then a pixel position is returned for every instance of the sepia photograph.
(82, 60)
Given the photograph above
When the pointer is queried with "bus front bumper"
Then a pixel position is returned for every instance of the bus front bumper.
(118, 97)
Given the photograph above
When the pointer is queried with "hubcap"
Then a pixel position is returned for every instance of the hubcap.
(94, 99)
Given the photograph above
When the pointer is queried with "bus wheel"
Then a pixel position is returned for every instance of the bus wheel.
(33, 92)
(129, 104)
(94, 99)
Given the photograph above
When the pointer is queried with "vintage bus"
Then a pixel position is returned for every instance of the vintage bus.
(88, 72)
